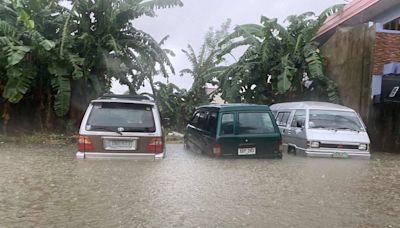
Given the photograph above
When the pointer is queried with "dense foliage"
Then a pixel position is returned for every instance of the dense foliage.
(280, 63)
(204, 63)
(55, 59)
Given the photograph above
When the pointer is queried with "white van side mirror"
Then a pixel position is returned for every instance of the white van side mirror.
(300, 124)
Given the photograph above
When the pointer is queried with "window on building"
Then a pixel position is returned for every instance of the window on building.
(393, 25)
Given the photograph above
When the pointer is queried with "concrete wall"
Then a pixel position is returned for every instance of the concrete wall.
(348, 57)
(351, 56)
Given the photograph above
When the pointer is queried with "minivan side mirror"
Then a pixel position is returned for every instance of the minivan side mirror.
(166, 122)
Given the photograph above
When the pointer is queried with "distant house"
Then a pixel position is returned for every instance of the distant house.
(361, 49)
(216, 97)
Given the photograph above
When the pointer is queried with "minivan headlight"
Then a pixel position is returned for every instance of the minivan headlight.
(362, 147)
(314, 144)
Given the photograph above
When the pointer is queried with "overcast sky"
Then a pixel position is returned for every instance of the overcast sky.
(188, 24)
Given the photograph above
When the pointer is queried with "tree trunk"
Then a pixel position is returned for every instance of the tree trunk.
(6, 116)
(49, 112)
(153, 88)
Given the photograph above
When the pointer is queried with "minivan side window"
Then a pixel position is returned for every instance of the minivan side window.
(282, 118)
(202, 120)
(255, 123)
(299, 119)
(195, 119)
(227, 122)
(212, 122)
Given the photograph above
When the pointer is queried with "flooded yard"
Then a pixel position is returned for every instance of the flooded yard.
(45, 186)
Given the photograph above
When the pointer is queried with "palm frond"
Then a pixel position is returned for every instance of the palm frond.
(65, 34)
(191, 55)
(161, 4)
(62, 98)
(18, 84)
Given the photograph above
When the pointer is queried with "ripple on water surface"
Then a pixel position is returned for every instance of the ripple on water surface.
(47, 186)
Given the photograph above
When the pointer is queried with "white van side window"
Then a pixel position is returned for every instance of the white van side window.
(299, 119)
(282, 118)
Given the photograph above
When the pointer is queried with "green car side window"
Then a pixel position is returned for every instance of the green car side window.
(227, 124)
(255, 123)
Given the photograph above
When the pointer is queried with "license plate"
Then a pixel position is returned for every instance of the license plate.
(112, 144)
(247, 151)
(340, 155)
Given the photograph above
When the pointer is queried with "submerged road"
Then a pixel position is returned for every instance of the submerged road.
(45, 186)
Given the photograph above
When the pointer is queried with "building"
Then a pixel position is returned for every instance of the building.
(214, 96)
(361, 50)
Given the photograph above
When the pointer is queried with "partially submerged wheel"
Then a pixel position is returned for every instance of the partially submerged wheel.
(186, 145)
(292, 150)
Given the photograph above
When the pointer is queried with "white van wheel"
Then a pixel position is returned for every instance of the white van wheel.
(292, 150)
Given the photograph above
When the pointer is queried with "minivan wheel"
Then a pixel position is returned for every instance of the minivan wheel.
(186, 145)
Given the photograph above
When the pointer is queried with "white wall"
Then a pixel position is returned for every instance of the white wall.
(388, 15)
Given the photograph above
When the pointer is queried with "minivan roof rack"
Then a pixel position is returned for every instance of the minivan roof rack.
(127, 97)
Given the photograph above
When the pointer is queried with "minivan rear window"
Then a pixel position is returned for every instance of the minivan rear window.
(255, 123)
(130, 117)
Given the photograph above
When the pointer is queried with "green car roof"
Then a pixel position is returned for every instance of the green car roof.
(237, 107)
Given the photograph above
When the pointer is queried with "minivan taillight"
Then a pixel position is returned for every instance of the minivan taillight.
(155, 145)
(85, 144)
(217, 150)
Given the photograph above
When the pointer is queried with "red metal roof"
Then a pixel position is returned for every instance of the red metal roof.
(350, 10)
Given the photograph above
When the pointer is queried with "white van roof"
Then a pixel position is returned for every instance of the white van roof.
(310, 105)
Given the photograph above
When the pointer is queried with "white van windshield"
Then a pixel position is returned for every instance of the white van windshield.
(335, 120)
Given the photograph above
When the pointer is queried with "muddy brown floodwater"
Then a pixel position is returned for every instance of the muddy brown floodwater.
(47, 187)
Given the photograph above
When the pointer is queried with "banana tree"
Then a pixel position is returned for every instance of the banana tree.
(103, 35)
(204, 64)
(145, 69)
(24, 49)
(278, 63)
(173, 103)
(54, 56)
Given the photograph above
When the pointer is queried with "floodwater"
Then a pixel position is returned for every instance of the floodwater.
(47, 187)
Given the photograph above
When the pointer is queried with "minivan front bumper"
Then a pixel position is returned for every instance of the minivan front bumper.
(101, 155)
(334, 153)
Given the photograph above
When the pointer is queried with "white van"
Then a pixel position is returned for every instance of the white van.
(319, 129)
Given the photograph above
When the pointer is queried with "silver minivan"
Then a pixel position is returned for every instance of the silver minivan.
(319, 129)
(121, 126)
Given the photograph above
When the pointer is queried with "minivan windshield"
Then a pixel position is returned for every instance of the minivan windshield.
(130, 117)
(334, 120)
(255, 123)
